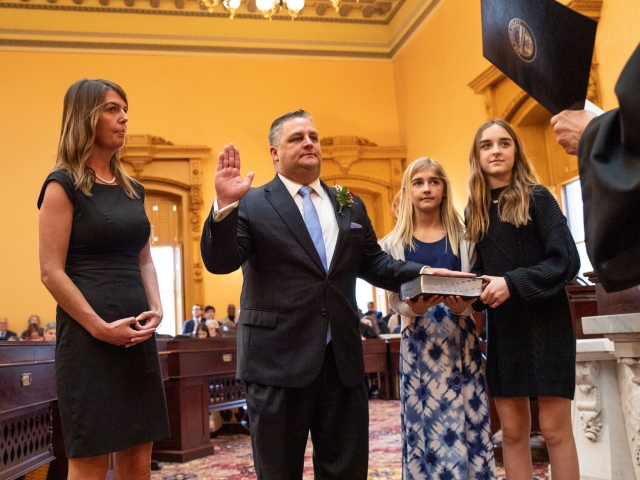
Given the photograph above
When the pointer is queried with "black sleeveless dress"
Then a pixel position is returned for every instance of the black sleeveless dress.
(110, 398)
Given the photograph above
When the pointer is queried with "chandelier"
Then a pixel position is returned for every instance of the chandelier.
(230, 5)
(268, 7)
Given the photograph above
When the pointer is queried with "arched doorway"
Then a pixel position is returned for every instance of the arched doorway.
(164, 212)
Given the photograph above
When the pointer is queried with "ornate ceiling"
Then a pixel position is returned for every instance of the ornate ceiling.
(375, 11)
(364, 28)
(360, 28)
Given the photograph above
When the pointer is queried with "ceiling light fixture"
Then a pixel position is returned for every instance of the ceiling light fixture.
(230, 5)
(268, 8)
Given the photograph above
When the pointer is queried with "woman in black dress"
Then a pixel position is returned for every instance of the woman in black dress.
(526, 256)
(95, 260)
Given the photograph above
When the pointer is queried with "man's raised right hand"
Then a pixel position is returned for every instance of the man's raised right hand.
(230, 187)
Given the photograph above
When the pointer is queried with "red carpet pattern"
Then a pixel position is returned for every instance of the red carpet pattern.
(232, 459)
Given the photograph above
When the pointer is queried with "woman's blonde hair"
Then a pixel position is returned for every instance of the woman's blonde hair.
(83, 104)
(513, 204)
(404, 210)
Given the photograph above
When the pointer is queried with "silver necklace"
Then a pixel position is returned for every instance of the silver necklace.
(103, 180)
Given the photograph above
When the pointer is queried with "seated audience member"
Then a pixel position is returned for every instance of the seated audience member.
(209, 312)
(50, 332)
(34, 334)
(5, 333)
(382, 325)
(14, 338)
(213, 326)
(367, 328)
(33, 320)
(393, 321)
(190, 325)
(202, 331)
(397, 328)
(372, 311)
(230, 320)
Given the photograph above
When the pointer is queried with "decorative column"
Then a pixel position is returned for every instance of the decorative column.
(177, 170)
(597, 418)
(373, 172)
(624, 331)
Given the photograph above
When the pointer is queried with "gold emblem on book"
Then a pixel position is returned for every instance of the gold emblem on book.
(522, 40)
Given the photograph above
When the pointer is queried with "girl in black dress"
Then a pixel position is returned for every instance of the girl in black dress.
(95, 260)
(526, 256)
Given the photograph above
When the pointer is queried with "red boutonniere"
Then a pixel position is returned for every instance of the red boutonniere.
(344, 196)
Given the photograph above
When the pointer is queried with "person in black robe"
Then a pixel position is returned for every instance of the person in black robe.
(608, 149)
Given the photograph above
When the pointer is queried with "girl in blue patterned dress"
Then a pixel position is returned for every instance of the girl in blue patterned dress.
(444, 406)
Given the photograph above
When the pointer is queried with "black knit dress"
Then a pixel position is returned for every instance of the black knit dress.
(531, 342)
(110, 398)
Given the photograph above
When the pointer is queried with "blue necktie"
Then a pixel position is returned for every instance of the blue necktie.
(312, 221)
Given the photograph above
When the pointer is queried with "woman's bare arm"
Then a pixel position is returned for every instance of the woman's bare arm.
(150, 282)
(55, 221)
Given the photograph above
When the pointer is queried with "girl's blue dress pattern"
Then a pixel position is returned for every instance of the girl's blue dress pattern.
(444, 406)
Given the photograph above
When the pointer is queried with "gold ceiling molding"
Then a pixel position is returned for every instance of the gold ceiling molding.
(354, 36)
(184, 38)
(411, 24)
(350, 11)
(152, 47)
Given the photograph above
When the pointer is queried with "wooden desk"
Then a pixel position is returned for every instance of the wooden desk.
(393, 349)
(200, 377)
(583, 303)
(376, 360)
(27, 396)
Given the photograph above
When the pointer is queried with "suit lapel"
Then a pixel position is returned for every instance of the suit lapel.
(344, 224)
(279, 197)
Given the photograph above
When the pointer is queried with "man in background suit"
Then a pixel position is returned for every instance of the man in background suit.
(189, 326)
(299, 346)
(608, 149)
(4, 333)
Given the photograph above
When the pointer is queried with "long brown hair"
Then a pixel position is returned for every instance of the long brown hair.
(513, 204)
(402, 233)
(82, 107)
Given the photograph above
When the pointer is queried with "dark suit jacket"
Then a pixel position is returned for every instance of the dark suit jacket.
(189, 327)
(8, 334)
(609, 162)
(288, 300)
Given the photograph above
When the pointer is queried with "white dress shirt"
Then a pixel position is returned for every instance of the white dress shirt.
(321, 200)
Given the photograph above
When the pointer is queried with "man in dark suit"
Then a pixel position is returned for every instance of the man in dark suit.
(299, 345)
(608, 149)
(4, 333)
(189, 327)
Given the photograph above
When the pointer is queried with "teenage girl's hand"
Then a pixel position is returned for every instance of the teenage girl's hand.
(457, 304)
(120, 332)
(495, 291)
(421, 305)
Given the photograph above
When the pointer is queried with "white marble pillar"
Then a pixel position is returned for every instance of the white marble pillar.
(624, 331)
(597, 418)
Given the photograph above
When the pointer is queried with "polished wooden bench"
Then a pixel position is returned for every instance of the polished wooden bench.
(376, 360)
(27, 399)
(200, 378)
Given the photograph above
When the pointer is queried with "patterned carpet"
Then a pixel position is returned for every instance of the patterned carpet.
(232, 459)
